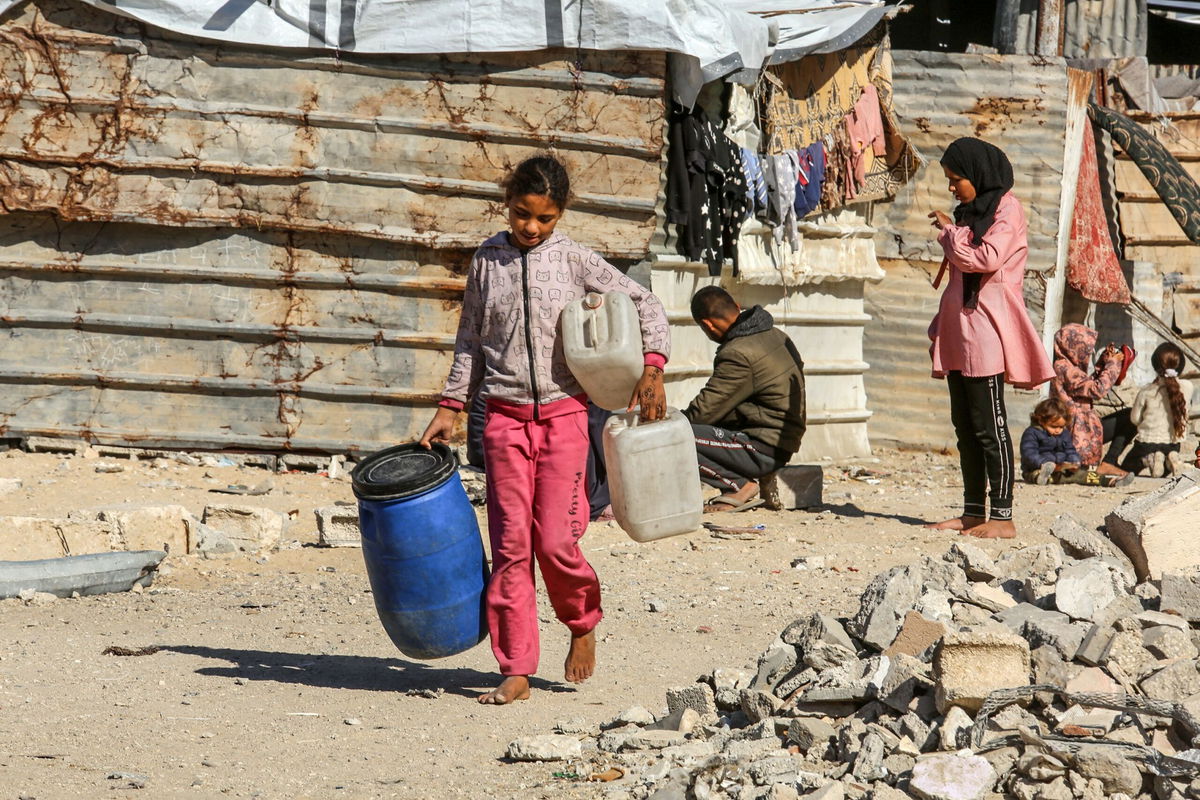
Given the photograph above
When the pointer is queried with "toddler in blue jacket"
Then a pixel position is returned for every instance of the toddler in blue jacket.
(1046, 448)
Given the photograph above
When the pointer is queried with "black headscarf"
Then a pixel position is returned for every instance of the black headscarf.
(989, 171)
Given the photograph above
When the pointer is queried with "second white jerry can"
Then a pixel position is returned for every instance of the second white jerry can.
(602, 341)
(653, 477)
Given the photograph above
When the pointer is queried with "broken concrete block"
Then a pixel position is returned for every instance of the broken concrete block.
(1094, 645)
(1154, 530)
(1079, 542)
(1092, 680)
(1169, 643)
(143, 527)
(1131, 657)
(337, 526)
(758, 705)
(209, 542)
(905, 675)
(1049, 667)
(970, 664)
(697, 696)
(1175, 682)
(955, 722)
(993, 598)
(774, 664)
(547, 747)
(248, 528)
(868, 764)
(808, 630)
(30, 539)
(683, 720)
(809, 732)
(972, 560)
(1113, 768)
(1038, 561)
(952, 776)
(89, 536)
(1017, 617)
(1097, 721)
(1086, 588)
(647, 739)
(793, 488)
(891, 595)
(1064, 637)
(1180, 590)
(916, 637)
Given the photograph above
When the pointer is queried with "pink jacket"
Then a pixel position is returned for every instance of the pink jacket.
(996, 336)
(508, 333)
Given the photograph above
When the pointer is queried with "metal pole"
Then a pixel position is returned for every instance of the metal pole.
(1004, 33)
(1049, 28)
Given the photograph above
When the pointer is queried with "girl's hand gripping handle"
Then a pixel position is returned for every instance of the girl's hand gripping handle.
(650, 395)
(440, 427)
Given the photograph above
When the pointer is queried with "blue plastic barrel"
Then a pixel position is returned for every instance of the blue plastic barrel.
(421, 544)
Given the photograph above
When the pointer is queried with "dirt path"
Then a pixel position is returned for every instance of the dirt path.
(274, 678)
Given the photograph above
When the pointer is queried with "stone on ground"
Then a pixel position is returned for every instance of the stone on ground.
(1086, 588)
(1155, 530)
(546, 747)
(952, 776)
(969, 665)
(248, 528)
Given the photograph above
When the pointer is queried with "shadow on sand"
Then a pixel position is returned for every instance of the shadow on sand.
(851, 510)
(349, 672)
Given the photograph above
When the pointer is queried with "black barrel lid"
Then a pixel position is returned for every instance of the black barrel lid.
(402, 471)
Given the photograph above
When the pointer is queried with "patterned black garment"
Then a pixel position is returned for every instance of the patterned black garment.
(706, 189)
(1174, 185)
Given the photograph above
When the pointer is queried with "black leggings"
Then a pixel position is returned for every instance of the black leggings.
(1119, 430)
(985, 449)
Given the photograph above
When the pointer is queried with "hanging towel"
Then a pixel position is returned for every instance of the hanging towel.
(1092, 266)
(781, 172)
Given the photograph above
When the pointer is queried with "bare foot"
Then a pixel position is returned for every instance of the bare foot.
(993, 529)
(512, 688)
(956, 524)
(581, 658)
(1105, 468)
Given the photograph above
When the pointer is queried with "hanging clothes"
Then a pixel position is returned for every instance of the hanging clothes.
(706, 189)
(1092, 266)
(782, 174)
(864, 130)
(837, 146)
(812, 176)
(756, 184)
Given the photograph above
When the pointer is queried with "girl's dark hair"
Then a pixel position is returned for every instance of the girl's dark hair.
(1167, 356)
(1048, 410)
(544, 175)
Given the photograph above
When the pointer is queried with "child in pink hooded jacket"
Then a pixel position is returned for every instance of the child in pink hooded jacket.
(982, 337)
(535, 437)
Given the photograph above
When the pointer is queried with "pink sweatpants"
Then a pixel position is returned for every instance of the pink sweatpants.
(537, 506)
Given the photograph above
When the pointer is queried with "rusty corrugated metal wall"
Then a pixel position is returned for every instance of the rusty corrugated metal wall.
(211, 246)
(1020, 103)
(1091, 28)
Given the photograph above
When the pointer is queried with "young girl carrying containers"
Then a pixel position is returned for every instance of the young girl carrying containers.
(535, 434)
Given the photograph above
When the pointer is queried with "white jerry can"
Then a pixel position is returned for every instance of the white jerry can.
(653, 478)
(602, 340)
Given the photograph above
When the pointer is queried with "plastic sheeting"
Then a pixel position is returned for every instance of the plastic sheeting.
(710, 39)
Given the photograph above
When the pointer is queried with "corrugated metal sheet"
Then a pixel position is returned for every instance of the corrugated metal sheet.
(106, 123)
(1018, 103)
(209, 246)
(1091, 28)
(1025, 105)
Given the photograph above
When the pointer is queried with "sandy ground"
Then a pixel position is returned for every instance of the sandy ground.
(276, 680)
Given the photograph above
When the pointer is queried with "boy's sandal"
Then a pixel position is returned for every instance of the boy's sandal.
(726, 503)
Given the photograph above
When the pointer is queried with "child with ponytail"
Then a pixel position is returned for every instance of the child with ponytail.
(1160, 412)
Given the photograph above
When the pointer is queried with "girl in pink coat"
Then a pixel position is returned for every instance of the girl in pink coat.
(982, 337)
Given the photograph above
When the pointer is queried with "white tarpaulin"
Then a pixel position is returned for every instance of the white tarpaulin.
(711, 39)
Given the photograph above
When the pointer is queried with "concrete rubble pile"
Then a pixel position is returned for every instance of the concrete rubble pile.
(1046, 673)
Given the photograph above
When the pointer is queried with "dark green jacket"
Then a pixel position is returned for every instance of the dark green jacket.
(757, 385)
